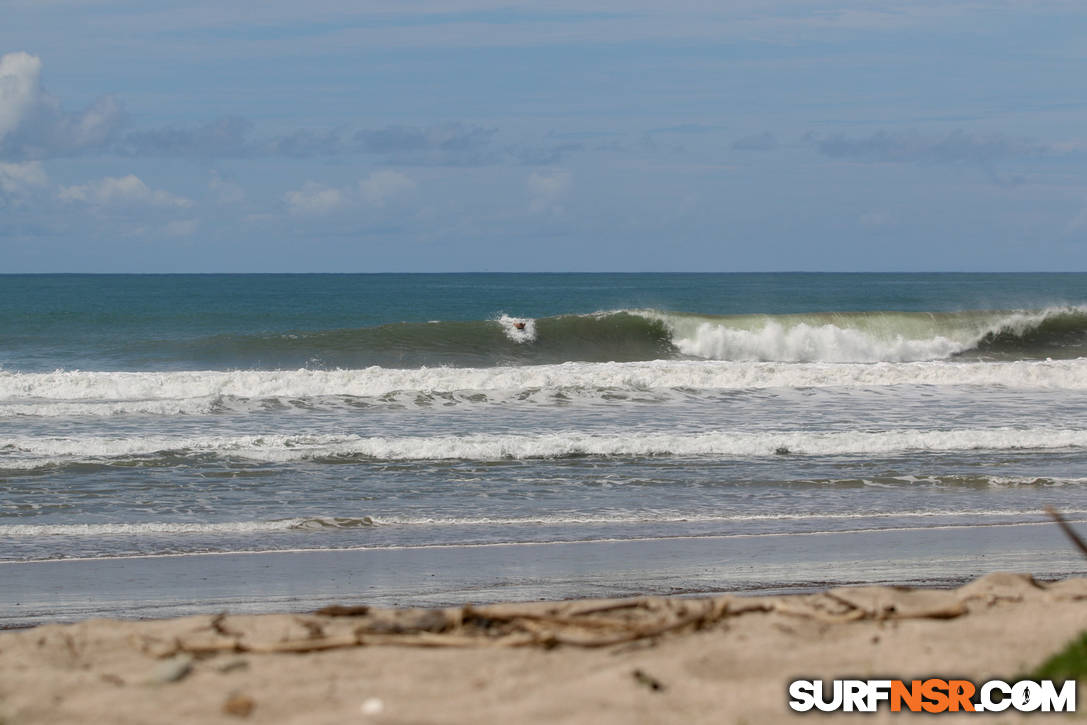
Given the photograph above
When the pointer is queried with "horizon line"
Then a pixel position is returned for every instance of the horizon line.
(486, 272)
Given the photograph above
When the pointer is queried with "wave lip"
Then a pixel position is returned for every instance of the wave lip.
(37, 453)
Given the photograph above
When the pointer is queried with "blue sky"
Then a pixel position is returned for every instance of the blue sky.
(470, 135)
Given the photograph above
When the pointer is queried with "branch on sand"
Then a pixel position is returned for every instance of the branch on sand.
(571, 624)
(1067, 529)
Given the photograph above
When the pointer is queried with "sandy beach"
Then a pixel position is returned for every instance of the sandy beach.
(723, 659)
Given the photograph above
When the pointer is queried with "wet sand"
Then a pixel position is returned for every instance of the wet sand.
(66, 591)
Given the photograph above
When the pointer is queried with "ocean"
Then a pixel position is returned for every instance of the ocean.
(158, 416)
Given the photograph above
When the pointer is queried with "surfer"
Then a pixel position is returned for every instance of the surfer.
(519, 325)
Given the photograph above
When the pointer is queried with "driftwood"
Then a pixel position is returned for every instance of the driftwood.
(571, 624)
(579, 624)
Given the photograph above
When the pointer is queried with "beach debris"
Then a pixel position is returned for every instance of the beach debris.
(372, 706)
(239, 705)
(644, 678)
(174, 669)
(897, 602)
(338, 610)
(604, 623)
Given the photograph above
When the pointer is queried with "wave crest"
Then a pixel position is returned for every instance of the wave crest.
(880, 336)
(642, 335)
(28, 454)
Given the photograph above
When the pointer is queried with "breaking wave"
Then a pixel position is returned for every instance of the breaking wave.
(78, 393)
(639, 335)
(880, 336)
(38, 453)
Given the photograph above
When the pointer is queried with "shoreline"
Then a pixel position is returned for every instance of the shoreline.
(560, 542)
(292, 581)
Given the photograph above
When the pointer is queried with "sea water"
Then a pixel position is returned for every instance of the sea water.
(180, 414)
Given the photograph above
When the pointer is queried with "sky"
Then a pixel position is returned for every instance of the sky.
(597, 135)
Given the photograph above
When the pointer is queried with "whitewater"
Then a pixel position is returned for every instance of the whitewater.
(63, 393)
(149, 416)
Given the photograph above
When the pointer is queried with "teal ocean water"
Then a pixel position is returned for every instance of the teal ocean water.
(149, 415)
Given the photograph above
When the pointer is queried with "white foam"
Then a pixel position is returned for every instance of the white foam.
(878, 337)
(37, 452)
(1016, 481)
(143, 529)
(67, 409)
(165, 528)
(805, 343)
(65, 393)
(525, 333)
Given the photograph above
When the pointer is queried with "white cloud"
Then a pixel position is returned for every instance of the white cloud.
(15, 178)
(376, 190)
(314, 198)
(381, 187)
(33, 125)
(88, 129)
(19, 74)
(126, 190)
(547, 190)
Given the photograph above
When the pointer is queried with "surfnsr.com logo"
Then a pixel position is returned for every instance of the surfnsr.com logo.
(932, 695)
